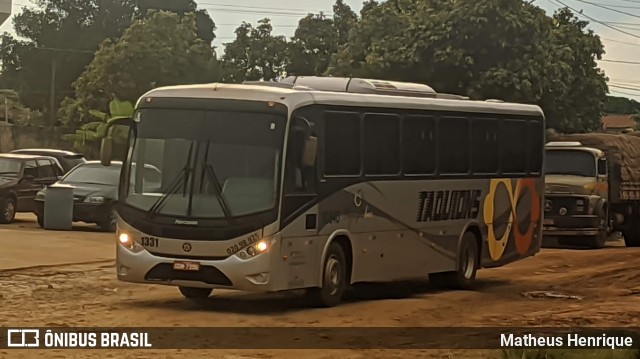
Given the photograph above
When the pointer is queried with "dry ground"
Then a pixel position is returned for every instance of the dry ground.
(606, 281)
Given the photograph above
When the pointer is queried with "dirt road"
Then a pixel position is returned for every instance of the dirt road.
(596, 288)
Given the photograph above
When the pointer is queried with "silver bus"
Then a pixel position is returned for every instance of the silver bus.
(321, 183)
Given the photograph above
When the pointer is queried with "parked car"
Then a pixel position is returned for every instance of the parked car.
(67, 160)
(21, 177)
(95, 190)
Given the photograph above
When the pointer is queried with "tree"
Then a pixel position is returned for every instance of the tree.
(11, 108)
(205, 26)
(506, 49)
(621, 105)
(255, 54)
(317, 38)
(28, 65)
(62, 37)
(312, 46)
(160, 50)
(88, 136)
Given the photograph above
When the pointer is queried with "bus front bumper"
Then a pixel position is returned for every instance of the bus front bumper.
(231, 273)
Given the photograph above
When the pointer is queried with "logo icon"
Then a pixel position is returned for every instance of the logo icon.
(548, 206)
(186, 247)
(23, 338)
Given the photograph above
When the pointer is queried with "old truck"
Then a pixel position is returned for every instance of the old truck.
(592, 188)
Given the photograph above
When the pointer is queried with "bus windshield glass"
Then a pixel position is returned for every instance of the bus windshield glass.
(569, 162)
(210, 164)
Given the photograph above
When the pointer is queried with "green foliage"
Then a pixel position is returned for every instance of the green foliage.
(160, 50)
(27, 64)
(506, 49)
(255, 54)
(94, 131)
(317, 38)
(621, 105)
(12, 107)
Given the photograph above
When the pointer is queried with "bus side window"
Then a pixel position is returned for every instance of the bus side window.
(341, 144)
(418, 145)
(299, 179)
(484, 146)
(381, 144)
(513, 149)
(453, 149)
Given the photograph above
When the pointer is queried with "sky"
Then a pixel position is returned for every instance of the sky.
(616, 21)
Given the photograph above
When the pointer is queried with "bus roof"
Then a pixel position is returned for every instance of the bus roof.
(294, 97)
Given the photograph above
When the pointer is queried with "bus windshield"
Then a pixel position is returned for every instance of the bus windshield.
(211, 164)
(569, 162)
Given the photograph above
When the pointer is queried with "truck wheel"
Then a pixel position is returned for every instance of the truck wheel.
(334, 279)
(465, 276)
(109, 222)
(195, 293)
(7, 210)
(632, 236)
(40, 219)
(598, 241)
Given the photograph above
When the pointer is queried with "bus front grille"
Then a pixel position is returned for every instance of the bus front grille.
(164, 272)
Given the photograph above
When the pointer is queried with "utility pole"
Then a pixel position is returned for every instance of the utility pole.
(6, 110)
(52, 99)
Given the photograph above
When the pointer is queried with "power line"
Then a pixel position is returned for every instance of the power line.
(594, 20)
(621, 62)
(259, 7)
(608, 8)
(620, 42)
(616, 6)
(626, 88)
(623, 93)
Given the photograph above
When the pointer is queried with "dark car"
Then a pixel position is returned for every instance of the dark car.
(67, 160)
(95, 190)
(21, 177)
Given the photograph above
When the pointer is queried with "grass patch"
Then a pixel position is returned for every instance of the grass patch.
(570, 354)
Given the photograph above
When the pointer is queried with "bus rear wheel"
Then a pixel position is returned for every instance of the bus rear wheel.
(195, 293)
(334, 279)
(467, 266)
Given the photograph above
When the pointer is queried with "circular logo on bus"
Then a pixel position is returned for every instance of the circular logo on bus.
(186, 247)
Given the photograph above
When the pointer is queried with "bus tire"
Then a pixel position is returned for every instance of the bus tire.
(464, 277)
(195, 293)
(334, 279)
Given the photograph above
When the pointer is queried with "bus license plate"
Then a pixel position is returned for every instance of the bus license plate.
(186, 266)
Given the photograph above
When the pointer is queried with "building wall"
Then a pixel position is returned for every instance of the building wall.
(5, 10)
(15, 137)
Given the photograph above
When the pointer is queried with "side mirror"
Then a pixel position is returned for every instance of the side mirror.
(106, 150)
(310, 151)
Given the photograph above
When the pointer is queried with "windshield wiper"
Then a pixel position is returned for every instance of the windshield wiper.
(211, 174)
(182, 177)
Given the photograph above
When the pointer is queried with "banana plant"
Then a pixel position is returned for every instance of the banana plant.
(97, 130)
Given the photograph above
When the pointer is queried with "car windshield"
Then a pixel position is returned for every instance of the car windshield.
(94, 175)
(9, 167)
(205, 164)
(570, 162)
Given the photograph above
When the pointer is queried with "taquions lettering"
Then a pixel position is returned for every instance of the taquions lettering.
(448, 205)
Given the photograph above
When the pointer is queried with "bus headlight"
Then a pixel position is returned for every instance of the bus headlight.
(126, 241)
(94, 200)
(255, 249)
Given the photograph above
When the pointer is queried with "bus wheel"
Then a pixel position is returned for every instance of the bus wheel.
(195, 293)
(334, 279)
(467, 266)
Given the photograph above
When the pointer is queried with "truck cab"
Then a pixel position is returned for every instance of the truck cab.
(576, 194)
